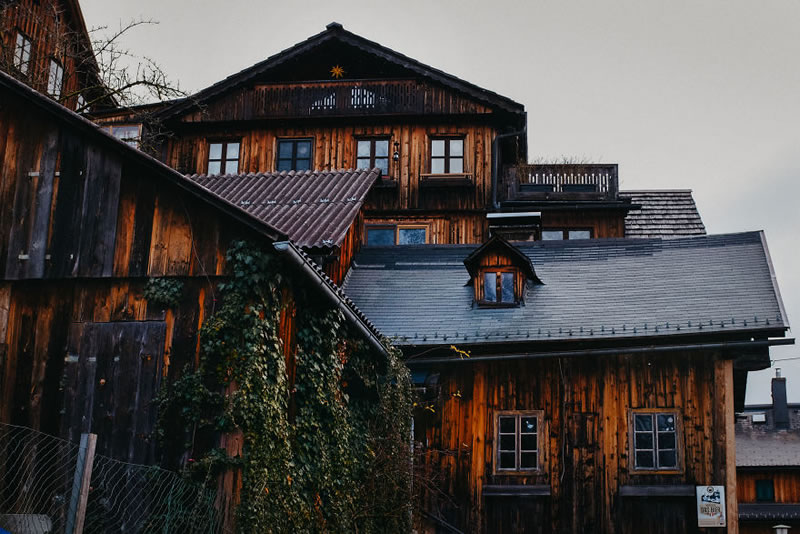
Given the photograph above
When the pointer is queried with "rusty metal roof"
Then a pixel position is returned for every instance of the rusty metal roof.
(314, 208)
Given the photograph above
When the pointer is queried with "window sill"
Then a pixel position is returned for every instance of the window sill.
(445, 180)
(525, 490)
(482, 304)
(665, 490)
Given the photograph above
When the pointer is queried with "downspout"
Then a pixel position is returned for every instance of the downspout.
(496, 160)
(288, 251)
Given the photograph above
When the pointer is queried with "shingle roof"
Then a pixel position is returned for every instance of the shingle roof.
(663, 213)
(767, 449)
(769, 511)
(593, 290)
(314, 208)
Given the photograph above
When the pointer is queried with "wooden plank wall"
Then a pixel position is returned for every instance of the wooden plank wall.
(335, 148)
(786, 483)
(443, 228)
(585, 454)
(603, 223)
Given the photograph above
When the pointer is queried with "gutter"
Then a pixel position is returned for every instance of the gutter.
(726, 345)
(333, 294)
(496, 160)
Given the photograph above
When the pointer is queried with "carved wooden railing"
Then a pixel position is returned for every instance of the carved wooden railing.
(590, 181)
(357, 97)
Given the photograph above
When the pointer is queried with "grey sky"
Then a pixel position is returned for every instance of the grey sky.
(682, 94)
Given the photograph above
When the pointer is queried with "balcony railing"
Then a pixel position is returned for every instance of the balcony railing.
(357, 97)
(560, 182)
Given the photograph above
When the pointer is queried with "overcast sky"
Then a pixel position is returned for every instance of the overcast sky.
(682, 94)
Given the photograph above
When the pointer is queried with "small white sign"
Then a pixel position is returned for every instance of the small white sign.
(710, 506)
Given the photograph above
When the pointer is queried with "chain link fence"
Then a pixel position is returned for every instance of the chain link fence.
(52, 486)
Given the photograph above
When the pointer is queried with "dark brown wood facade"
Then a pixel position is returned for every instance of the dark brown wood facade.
(585, 480)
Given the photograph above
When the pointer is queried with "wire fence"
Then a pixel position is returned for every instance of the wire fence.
(52, 486)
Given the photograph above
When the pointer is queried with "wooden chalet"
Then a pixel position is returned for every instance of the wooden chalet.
(584, 386)
(85, 222)
(45, 44)
(768, 464)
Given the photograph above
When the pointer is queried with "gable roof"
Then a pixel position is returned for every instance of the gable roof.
(336, 32)
(767, 449)
(594, 290)
(313, 208)
(667, 213)
(472, 262)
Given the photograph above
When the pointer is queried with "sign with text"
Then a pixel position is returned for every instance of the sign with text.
(710, 506)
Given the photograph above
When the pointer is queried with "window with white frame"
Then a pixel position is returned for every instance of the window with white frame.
(22, 53)
(517, 441)
(655, 441)
(55, 79)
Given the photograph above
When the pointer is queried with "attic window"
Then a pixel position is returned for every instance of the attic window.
(499, 273)
(498, 287)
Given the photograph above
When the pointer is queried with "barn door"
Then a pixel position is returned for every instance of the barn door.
(111, 376)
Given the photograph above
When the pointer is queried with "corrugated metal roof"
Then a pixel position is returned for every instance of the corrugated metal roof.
(663, 213)
(596, 289)
(314, 208)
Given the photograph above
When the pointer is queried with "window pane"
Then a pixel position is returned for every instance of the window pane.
(411, 236)
(644, 459)
(552, 235)
(231, 167)
(579, 234)
(528, 442)
(303, 165)
(508, 460)
(380, 236)
(508, 296)
(507, 442)
(643, 440)
(362, 163)
(382, 164)
(666, 440)
(215, 151)
(285, 149)
(382, 147)
(233, 151)
(284, 165)
(213, 167)
(666, 422)
(304, 149)
(508, 425)
(529, 425)
(643, 422)
(490, 287)
(765, 490)
(456, 165)
(456, 147)
(527, 460)
(667, 459)
(437, 166)
(437, 147)
(363, 148)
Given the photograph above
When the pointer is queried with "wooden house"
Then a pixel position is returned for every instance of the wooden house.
(768, 464)
(45, 44)
(86, 221)
(584, 386)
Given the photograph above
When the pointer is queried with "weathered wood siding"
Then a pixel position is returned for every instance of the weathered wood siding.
(585, 453)
(786, 483)
(602, 223)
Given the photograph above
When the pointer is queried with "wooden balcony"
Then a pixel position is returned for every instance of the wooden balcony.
(564, 182)
(358, 97)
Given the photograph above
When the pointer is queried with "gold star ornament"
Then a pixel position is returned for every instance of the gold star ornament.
(337, 71)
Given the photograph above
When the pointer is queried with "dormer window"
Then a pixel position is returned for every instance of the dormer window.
(499, 273)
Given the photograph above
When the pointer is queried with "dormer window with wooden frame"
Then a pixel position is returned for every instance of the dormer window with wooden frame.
(223, 157)
(499, 274)
(22, 53)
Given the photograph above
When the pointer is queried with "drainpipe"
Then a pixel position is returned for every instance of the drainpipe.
(302, 262)
(496, 160)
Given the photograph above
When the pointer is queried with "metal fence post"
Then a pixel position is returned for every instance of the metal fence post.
(76, 514)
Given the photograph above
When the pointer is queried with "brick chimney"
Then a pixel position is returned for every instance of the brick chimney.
(780, 407)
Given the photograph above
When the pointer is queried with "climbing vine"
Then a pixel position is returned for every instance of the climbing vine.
(164, 292)
(323, 450)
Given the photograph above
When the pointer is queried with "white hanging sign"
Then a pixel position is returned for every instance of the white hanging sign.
(710, 506)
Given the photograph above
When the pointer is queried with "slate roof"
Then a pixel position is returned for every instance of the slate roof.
(768, 511)
(593, 290)
(767, 449)
(314, 208)
(663, 213)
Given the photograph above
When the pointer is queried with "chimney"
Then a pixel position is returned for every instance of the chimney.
(780, 408)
